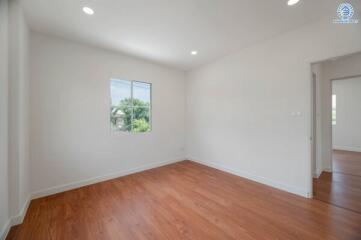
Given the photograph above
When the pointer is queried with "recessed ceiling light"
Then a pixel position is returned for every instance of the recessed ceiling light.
(194, 52)
(292, 2)
(88, 10)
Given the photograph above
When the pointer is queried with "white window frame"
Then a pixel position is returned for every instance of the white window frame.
(132, 107)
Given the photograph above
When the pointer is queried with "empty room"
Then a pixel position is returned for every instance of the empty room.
(180, 119)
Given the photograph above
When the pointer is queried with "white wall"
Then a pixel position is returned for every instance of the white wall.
(4, 204)
(18, 109)
(239, 109)
(71, 140)
(14, 145)
(346, 134)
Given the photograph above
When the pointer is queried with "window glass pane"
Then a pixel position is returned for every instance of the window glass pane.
(120, 91)
(120, 109)
(121, 118)
(130, 106)
(141, 119)
(141, 92)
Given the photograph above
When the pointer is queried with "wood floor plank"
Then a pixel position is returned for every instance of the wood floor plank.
(346, 162)
(342, 187)
(185, 200)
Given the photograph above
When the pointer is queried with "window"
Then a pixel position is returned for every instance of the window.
(334, 109)
(130, 109)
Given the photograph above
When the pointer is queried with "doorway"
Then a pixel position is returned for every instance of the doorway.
(337, 131)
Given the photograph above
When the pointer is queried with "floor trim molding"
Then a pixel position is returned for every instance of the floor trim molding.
(345, 148)
(4, 232)
(18, 219)
(317, 174)
(89, 181)
(259, 179)
(15, 220)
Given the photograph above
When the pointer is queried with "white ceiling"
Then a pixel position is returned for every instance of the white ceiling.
(166, 31)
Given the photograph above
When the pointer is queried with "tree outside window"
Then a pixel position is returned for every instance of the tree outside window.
(130, 109)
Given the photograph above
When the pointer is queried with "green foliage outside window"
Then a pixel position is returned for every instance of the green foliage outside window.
(131, 115)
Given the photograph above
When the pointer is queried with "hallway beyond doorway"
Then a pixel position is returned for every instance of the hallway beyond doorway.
(342, 187)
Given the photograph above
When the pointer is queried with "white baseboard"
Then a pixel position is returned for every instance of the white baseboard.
(61, 188)
(85, 182)
(18, 219)
(345, 148)
(316, 175)
(4, 232)
(271, 183)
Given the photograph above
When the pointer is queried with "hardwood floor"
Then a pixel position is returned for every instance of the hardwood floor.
(184, 201)
(342, 187)
(346, 162)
